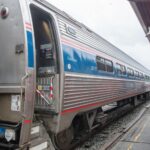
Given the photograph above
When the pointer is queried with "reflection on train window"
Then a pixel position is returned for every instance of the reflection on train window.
(121, 70)
(100, 63)
(130, 72)
(136, 73)
(147, 77)
(141, 75)
(109, 65)
(104, 64)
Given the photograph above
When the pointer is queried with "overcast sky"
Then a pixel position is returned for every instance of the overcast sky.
(114, 20)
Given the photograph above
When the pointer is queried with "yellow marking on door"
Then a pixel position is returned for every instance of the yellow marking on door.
(39, 88)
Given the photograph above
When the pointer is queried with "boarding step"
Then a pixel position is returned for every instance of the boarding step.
(40, 139)
(41, 109)
(39, 144)
(35, 130)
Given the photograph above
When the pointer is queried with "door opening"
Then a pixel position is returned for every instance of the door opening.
(44, 42)
(46, 59)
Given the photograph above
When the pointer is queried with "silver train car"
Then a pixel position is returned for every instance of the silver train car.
(55, 69)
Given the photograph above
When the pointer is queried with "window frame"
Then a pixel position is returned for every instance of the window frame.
(105, 64)
(120, 70)
(136, 74)
(130, 72)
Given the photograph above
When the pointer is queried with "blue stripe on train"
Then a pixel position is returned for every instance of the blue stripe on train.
(81, 62)
(78, 61)
(30, 50)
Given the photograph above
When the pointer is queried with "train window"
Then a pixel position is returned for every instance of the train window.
(136, 73)
(141, 75)
(130, 72)
(146, 77)
(118, 67)
(121, 69)
(104, 64)
(100, 63)
(109, 66)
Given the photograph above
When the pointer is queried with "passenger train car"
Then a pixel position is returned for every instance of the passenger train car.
(59, 71)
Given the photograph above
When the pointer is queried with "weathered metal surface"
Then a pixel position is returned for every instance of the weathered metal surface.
(12, 64)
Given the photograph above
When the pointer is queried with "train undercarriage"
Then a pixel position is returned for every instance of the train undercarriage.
(85, 123)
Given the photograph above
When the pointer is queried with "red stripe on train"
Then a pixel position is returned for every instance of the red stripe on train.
(28, 26)
(27, 121)
(81, 107)
(79, 46)
(82, 47)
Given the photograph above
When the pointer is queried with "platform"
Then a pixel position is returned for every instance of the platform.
(138, 137)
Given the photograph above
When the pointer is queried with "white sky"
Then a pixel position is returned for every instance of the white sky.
(114, 20)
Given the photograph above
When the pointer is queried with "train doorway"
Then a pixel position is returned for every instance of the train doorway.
(44, 42)
(46, 59)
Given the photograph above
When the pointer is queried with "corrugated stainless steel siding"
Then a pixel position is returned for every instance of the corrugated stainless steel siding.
(84, 90)
(98, 43)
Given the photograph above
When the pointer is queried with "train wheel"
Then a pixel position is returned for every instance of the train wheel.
(63, 139)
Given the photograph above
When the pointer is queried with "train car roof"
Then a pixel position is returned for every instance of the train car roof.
(89, 31)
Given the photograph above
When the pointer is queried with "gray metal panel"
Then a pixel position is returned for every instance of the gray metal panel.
(82, 90)
(6, 114)
(11, 89)
(12, 65)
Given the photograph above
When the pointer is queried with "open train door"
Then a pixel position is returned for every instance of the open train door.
(47, 75)
(17, 77)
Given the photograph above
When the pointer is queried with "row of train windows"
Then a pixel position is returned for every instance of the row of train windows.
(107, 66)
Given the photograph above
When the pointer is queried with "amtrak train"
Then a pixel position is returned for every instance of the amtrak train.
(55, 69)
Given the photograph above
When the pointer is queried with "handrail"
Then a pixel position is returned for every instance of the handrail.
(43, 97)
(22, 83)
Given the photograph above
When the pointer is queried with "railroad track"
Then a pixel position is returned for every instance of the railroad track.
(113, 114)
(119, 136)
